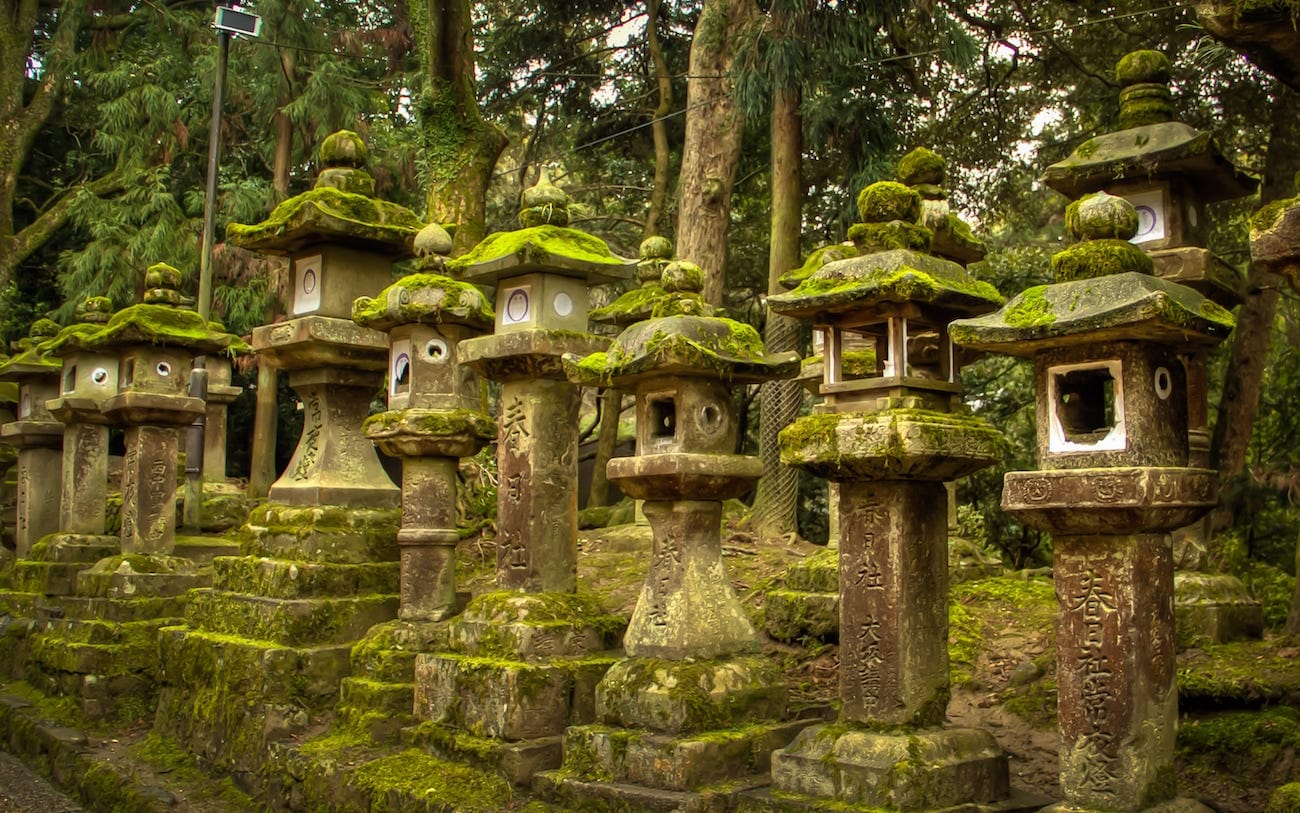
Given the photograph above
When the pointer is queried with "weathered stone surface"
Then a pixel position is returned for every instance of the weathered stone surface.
(329, 534)
(534, 626)
(149, 489)
(289, 622)
(506, 699)
(690, 696)
(1275, 239)
(84, 490)
(39, 475)
(140, 576)
(1214, 608)
(686, 762)
(321, 341)
(1118, 706)
(1110, 500)
(793, 616)
(537, 503)
(919, 770)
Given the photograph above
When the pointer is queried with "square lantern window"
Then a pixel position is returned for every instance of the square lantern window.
(69, 383)
(24, 401)
(399, 371)
(327, 281)
(548, 301)
(1086, 408)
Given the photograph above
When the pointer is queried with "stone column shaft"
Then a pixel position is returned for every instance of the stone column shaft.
(1118, 704)
(687, 608)
(38, 500)
(214, 442)
(334, 463)
(262, 463)
(428, 538)
(893, 602)
(149, 489)
(537, 502)
(84, 483)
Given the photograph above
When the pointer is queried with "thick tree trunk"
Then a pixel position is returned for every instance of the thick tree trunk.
(462, 149)
(777, 501)
(711, 150)
(1251, 339)
(659, 127)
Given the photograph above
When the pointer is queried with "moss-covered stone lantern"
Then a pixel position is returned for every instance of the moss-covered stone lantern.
(522, 661)
(433, 416)
(693, 666)
(88, 379)
(924, 171)
(1115, 478)
(155, 343)
(890, 437)
(1170, 172)
(541, 273)
(340, 242)
(37, 436)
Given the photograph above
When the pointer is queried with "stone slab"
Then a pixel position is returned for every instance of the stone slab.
(789, 615)
(618, 797)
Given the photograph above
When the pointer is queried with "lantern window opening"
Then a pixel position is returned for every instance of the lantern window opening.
(128, 374)
(662, 412)
(69, 378)
(1086, 406)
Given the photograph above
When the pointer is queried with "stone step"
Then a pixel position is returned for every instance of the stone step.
(203, 549)
(322, 534)
(141, 576)
(97, 631)
(47, 578)
(291, 622)
(817, 573)
(55, 653)
(519, 762)
(112, 609)
(394, 698)
(790, 615)
(686, 762)
(763, 800)
(618, 797)
(68, 548)
(388, 665)
(282, 578)
(512, 700)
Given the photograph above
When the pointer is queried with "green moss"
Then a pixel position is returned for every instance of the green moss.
(1269, 215)
(417, 776)
(331, 211)
(1087, 149)
(852, 362)
(634, 306)
(1244, 672)
(164, 325)
(884, 201)
(418, 300)
(815, 260)
(539, 243)
(922, 166)
(1285, 799)
(509, 606)
(891, 284)
(178, 765)
(870, 237)
(1254, 736)
(432, 423)
(1143, 66)
(1030, 309)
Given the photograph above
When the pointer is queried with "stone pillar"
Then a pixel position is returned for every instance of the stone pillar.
(149, 489)
(220, 396)
(38, 500)
(428, 538)
(1117, 704)
(334, 463)
(537, 506)
(893, 603)
(262, 464)
(84, 490)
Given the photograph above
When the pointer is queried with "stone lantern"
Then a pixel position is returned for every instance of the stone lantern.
(433, 416)
(1116, 476)
(37, 436)
(1171, 172)
(541, 273)
(924, 171)
(891, 436)
(340, 242)
(89, 378)
(155, 343)
(693, 666)
(521, 662)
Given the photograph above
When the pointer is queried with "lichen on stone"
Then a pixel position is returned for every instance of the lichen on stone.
(164, 325)
(537, 244)
(430, 298)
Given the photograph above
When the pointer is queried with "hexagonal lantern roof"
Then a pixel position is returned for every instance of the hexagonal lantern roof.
(638, 304)
(1106, 291)
(91, 315)
(683, 339)
(545, 244)
(1151, 143)
(426, 296)
(162, 320)
(35, 360)
(890, 268)
(341, 207)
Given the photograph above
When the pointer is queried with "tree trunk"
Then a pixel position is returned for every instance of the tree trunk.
(711, 151)
(283, 163)
(777, 501)
(1266, 34)
(462, 149)
(606, 443)
(659, 127)
(1251, 339)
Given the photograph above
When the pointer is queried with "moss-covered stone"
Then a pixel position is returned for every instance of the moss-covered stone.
(1100, 258)
(327, 211)
(884, 201)
(165, 325)
(1101, 217)
(922, 166)
(691, 696)
(815, 260)
(1143, 66)
(869, 237)
(538, 245)
(1285, 799)
(424, 298)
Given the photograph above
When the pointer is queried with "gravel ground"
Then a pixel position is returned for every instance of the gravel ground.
(22, 791)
